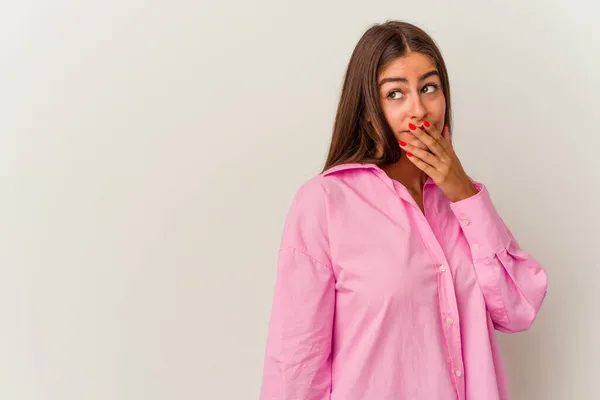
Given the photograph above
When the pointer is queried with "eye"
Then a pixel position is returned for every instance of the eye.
(432, 88)
(394, 95)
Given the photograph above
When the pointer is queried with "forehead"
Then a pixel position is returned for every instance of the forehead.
(411, 67)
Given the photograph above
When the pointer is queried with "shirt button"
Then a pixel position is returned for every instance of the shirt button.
(466, 222)
(449, 321)
(458, 373)
(475, 246)
(442, 268)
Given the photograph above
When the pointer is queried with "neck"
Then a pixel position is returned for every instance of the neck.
(407, 173)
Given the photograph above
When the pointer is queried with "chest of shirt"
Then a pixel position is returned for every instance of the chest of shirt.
(385, 248)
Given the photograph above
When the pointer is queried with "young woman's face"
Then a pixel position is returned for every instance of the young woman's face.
(410, 92)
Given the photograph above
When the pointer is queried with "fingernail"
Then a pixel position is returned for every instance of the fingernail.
(427, 124)
(409, 154)
(411, 127)
(402, 143)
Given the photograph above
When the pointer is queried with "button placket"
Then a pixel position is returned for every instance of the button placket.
(451, 329)
(448, 307)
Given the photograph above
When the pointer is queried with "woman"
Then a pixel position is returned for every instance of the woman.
(395, 268)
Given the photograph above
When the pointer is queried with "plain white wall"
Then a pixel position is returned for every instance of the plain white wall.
(149, 151)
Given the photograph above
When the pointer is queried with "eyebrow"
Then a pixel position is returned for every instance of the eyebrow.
(399, 79)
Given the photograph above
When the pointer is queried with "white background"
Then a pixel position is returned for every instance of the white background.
(149, 152)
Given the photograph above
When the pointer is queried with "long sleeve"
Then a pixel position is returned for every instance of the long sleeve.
(297, 364)
(513, 283)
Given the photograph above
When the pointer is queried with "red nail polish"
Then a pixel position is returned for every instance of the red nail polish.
(427, 124)
(411, 127)
(409, 154)
(402, 143)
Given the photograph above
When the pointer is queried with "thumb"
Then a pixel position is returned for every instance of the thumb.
(446, 134)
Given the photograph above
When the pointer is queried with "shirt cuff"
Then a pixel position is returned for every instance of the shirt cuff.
(483, 227)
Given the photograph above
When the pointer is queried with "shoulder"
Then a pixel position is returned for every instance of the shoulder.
(314, 191)
(314, 195)
(306, 223)
(311, 190)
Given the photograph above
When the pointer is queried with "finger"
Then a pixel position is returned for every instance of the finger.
(446, 132)
(426, 126)
(410, 139)
(438, 137)
(424, 155)
(433, 145)
(448, 142)
(422, 165)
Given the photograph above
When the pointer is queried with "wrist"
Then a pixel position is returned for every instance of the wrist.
(469, 191)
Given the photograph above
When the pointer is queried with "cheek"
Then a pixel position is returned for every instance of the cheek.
(395, 116)
(437, 107)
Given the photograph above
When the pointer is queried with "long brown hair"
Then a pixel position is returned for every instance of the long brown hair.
(360, 127)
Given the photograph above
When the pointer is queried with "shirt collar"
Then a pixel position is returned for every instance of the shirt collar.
(356, 165)
(347, 166)
(393, 185)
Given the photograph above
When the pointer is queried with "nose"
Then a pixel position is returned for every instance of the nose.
(417, 109)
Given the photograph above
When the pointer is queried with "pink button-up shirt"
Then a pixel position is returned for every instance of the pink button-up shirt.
(375, 300)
